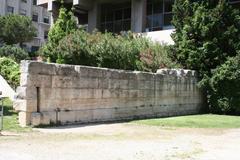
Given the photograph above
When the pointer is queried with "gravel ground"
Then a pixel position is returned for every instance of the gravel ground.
(121, 142)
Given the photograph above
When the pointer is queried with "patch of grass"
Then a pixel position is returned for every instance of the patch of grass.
(10, 120)
(196, 121)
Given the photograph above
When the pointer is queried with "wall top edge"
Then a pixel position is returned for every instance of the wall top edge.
(35, 67)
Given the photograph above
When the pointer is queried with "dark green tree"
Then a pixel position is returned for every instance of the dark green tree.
(16, 29)
(207, 34)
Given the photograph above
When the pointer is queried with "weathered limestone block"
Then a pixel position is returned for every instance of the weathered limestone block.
(33, 67)
(25, 105)
(27, 80)
(125, 84)
(24, 118)
(27, 93)
(36, 119)
(62, 81)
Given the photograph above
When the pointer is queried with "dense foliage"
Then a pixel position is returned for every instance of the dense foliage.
(207, 33)
(224, 87)
(16, 29)
(126, 51)
(10, 70)
(13, 52)
(64, 25)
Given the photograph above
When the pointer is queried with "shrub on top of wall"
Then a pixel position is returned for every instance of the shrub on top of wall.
(126, 51)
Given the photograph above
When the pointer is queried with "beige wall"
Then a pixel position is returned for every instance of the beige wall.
(80, 94)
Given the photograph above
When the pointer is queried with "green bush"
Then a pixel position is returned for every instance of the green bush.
(16, 29)
(207, 34)
(126, 51)
(13, 52)
(64, 25)
(10, 70)
(224, 87)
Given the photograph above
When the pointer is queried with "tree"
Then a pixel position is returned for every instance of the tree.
(13, 52)
(207, 34)
(64, 25)
(16, 29)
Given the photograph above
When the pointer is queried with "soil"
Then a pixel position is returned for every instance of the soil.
(121, 141)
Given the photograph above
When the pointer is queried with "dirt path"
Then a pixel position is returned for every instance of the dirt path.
(121, 142)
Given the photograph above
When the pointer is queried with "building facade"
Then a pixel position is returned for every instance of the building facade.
(151, 17)
(41, 19)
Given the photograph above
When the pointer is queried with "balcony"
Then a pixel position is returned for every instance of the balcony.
(42, 2)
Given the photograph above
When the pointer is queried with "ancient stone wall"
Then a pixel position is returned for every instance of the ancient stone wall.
(51, 93)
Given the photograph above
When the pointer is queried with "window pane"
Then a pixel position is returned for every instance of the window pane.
(149, 9)
(168, 5)
(127, 13)
(109, 27)
(167, 19)
(126, 25)
(157, 20)
(118, 15)
(149, 22)
(158, 7)
(117, 26)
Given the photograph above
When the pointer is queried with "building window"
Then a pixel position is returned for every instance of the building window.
(23, 12)
(35, 17)
(46, 19)
(24, 1)
(34, 2)
(116, 18)
(45, 34)
(159, 14)
(34, 48)
(10, 10)
(235, 3)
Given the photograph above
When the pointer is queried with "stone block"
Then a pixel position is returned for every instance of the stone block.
(65, 117)
(132, 84)
(97, 93)
(124, 84)
(145, 76)
(65, 70)
(123, 93)
(102, 114)
(33, 67)
(87, 93)
(49, 93)
(27, 93)
(39, 81)
(84, 116)
(24, 118)
(113, 84)
(60, 93)
(25, 105)
(62, 82)
(36, 119)
(106, 93)
(94, 72)
(133, 93)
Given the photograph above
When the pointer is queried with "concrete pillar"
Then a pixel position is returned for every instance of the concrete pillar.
(94, 16)
(53, 7)
(139, 12)
(2, 7)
